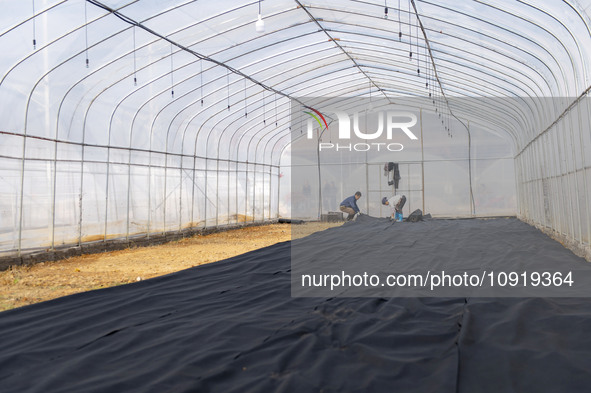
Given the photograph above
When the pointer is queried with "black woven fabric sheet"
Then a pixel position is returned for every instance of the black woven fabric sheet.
(233, 326)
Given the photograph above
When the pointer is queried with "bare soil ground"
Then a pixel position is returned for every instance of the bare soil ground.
(23, 285)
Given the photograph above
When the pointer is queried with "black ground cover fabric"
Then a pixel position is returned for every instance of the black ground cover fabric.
(233, 326)
(378, 246)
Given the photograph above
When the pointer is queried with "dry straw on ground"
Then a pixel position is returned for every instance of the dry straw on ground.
(23, 285)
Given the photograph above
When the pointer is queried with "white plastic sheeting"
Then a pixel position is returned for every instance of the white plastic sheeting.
(467, 173)
(132, 117)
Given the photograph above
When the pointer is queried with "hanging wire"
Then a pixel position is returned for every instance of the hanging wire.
(264, 110)
(245, 101)
(134, 59)
(201, 82)
(34, 32)
(438, 104)
(428, 78)
(418, 49)
(409, 33)
(399, 23)
(451, 135)
(275, 109)
(431, 80)
(86, 32)
(228, 84)
(438, 109)
(442, 107)
(171, 73)
(427, 68)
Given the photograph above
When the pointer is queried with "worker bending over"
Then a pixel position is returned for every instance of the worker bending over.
(396, 204)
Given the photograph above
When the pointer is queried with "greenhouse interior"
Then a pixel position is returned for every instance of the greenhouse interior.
(138, 122)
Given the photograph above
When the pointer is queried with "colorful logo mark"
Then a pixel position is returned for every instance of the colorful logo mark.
(313, 112)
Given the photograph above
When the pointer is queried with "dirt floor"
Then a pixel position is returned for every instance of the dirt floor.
(23, 285)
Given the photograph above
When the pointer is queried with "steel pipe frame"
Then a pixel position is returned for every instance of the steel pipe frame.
(573, 155)
(117, 105)
(461, 27)
(375, 50)
(150, 177)
(443, 45)
(460, 160)
(540, 200)
(207, 140)
(24, 150)
(560, 173)
(514, 47)
(252, 139)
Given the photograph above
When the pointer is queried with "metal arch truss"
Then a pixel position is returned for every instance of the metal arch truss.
(344, 51)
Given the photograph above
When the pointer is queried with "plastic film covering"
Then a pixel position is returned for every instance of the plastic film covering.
(468, 174)
(133, 118)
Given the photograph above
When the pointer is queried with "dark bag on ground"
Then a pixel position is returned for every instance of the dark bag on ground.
(415, 216)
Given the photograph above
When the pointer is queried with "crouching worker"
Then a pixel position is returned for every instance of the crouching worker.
(396, 204)
(349, 206)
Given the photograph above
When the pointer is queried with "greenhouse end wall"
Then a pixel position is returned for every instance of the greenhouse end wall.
(459, 169)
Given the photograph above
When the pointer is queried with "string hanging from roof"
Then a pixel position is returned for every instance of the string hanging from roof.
(171, 72)
(34, 32)
(86, 33)
(201, 81)
(245, 101)
(134, 59)
(228, 86)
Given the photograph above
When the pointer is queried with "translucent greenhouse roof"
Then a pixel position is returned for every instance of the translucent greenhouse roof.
(196, 78)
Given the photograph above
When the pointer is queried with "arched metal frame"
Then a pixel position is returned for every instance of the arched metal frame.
(345, 47)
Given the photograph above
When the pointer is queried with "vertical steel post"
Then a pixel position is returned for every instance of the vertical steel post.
(366, 185)
(193, 190)
(165, 184)
(205, 191)
(80, 199)
(217, 192)
(228, 190)
(270, 190)
(279, 183)
(246, 193)
(127, 224)
(254, 189)
(181, 157)
(587, 119)
(236, 192)
(422, 159)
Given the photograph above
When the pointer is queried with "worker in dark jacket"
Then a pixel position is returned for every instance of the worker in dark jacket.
(349, 205)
